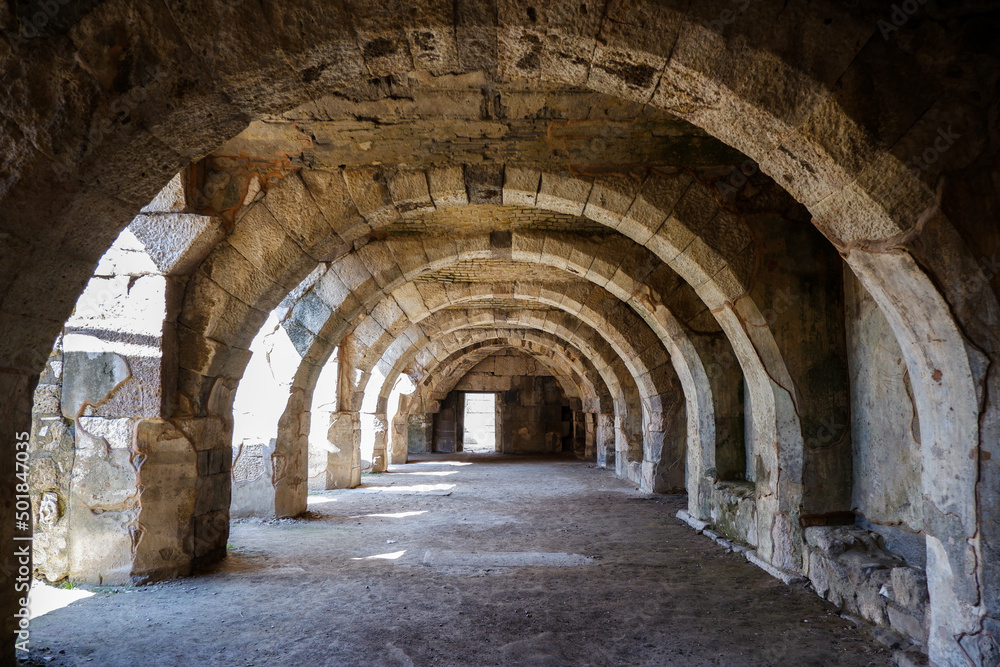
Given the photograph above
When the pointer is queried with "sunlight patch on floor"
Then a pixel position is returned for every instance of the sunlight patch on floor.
(390, 556)
(44, 598)
(397, 515)
(413, 488)
(440, 463)
(319, 500)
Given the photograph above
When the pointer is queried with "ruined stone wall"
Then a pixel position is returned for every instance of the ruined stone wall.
(104, 378)
(52, 454)
(104, 458)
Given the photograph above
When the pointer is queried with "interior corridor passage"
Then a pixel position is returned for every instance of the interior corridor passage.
(747, 253)
(466, 560)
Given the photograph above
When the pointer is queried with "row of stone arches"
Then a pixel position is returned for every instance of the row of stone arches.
(786, 105)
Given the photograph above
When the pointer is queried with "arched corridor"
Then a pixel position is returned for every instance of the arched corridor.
(743, 257)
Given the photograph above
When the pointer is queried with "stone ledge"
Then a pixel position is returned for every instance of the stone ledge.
(777, 573)
(697, 524)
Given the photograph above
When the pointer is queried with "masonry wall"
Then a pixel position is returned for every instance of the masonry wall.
(872, 565)
(532, 420)
(886, 494)
(531, 408)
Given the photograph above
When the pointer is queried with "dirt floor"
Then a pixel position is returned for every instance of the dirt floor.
(465, 560)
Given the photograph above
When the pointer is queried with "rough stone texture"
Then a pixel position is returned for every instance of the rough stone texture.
(885, 428)
(876, 118)
(852, 568)
(339, 465)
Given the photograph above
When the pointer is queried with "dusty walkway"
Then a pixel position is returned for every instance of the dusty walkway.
(466, 561)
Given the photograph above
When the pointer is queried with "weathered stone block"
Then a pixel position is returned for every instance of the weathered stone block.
(909, 586)
(447, 186)
(520, 186)
(484, 183)
(563, 192)
(409, 191)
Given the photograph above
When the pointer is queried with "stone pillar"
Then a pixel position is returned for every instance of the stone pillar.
(664, 445)
(338, 465)
(590, 436)
(579, 434)
(627, 466)
(178, 524)
(398, 445)
(446, 424)
(291, 457)
(604, 440)
(380, 453)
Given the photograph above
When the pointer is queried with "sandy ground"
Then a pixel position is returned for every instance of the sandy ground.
(465, 560)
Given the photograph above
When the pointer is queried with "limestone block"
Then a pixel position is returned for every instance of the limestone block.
(520, 187)
(311, 312)
(371, 195)
(378, 258)
(563, 192)
(170, 199)
(408, 253)
(352, 272)
(909, 587)
(47, 399)
(98, 433)
(293, 207)
(167, 480)
(260, 238)
(734, 511)
(385, 52)
(331, 193)
(653, 203)
(625, 74)
(409, 191)
(51, 434)
(447, 186)
(907, 624)
(177, 242)
(484, 183)
(610, 199)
